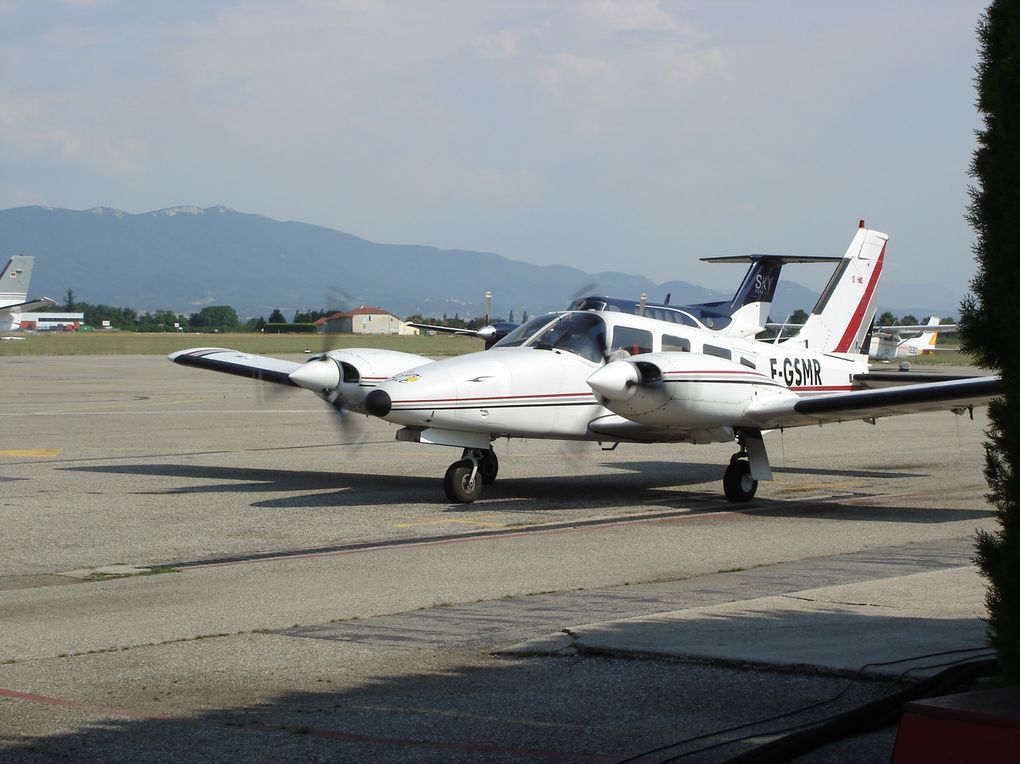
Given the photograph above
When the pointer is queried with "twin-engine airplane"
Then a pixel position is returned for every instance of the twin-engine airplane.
(609, 376)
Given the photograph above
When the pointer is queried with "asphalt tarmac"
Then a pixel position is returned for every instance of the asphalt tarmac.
(299, 589)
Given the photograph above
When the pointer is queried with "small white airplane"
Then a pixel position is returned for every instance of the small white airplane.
(14, 292)
(887, 342)
(611, 377)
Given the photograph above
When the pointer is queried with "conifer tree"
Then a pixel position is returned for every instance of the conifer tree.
(989, 316)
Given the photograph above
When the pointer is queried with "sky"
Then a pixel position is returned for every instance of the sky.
(630, 135)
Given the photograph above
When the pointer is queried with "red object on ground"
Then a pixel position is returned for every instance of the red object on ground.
(981, 726)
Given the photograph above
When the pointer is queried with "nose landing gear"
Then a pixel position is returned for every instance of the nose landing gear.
(464, 479)
(749, 465)
(738, 485)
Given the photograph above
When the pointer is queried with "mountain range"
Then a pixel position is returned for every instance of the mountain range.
(185, 258)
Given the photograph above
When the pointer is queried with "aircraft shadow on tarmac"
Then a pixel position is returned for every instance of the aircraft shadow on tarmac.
(395, 707)
(714, 471)
(647, 485)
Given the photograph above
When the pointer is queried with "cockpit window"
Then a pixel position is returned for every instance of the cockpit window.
(526, 331)
(583, 334)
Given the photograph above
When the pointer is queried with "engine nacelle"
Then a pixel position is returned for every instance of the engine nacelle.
(344, 377)
(684, 391)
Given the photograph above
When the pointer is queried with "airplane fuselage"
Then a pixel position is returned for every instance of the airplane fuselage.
(702, 383)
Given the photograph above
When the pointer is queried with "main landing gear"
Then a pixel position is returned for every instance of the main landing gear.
(464, 479)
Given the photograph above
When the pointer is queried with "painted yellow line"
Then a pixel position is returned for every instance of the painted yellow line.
(42, 453)
(425, 711)
(450, 521)
(817, 486)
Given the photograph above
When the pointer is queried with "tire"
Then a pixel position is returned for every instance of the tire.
(459, 486)
(738, 485)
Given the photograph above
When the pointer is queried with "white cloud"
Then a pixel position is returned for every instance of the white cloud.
(502, 44)
(631, 15)
(489, 124)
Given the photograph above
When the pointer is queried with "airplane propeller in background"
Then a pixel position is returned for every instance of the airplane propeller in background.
(491, 333)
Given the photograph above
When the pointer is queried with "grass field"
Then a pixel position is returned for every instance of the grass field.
(128, 343)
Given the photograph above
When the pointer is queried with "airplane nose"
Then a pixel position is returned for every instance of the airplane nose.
(616, 381)
(378, 403)
(317, 374)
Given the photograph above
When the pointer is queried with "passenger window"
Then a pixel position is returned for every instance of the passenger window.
(747, 362)
(675, 344)
(720, 352)
(633, 341)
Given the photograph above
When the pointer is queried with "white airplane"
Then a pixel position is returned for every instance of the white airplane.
(887, 342)
(14, 292)
(610, 376)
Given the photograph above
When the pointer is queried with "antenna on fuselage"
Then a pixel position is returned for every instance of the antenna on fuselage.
(641, 304)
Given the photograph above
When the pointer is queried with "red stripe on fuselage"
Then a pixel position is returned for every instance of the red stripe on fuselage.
(495, 398)
(862, 306)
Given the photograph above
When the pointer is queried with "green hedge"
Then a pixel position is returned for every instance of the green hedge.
(291, 329)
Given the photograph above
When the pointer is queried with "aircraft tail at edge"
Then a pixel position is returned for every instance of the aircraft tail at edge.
(842, 317)
(16, 276)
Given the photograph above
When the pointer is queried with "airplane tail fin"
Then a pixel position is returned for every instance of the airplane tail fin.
(750, 305)
(925, 342)
(842, 317)
(16, 276)
(930, 336)
(753, 298)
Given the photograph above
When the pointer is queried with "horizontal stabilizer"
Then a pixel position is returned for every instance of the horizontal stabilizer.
(24, 307)
(779, 259)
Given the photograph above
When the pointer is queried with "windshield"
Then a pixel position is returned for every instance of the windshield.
(583, 334)
(525, 331)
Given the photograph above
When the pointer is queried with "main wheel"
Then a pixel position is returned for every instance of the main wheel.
(738, 484)
(460, 487)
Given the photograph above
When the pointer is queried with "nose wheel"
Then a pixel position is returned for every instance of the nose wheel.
(464, 479)
(738, 485)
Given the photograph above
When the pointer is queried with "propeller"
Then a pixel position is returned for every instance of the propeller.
(587, 289)
(323, 374)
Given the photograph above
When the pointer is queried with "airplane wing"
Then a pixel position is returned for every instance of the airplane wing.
(876, 379)
(952, 395)
(260, 367)
(917, 329)
(445, 329)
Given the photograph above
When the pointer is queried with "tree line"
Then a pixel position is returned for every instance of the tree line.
(221, 318)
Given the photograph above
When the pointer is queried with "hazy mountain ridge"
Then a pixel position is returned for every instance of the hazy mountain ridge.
(183, 258)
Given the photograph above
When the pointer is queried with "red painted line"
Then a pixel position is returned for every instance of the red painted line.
(858, 316)
(62, 702)
(824, 388)
(715, 371)
(346, 737)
